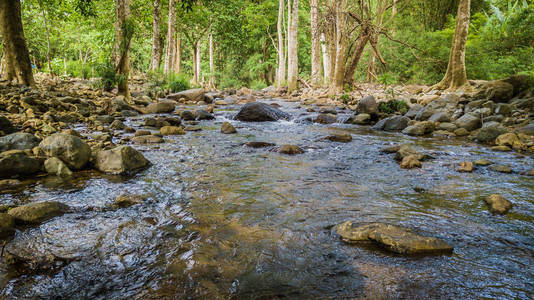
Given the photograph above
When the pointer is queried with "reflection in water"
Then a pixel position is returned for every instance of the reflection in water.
(222, 220)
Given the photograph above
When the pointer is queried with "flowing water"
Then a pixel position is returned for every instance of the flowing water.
(225, 221)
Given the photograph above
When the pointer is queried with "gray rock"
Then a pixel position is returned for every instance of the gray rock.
(5, 126)
(447, 126)
(395, 123)
(360, 119)
(468, 122)
(195, 95)
(120, 160)
(497, 91)
(425, 113)
(367, 105)
(260, 112)
(489, 132)
(407, 150)
(18, 141)
(38, 212)
(70, 149)
(16, 162)
(503, 109)
(161, 107)
(440, 117)
(119, 104)
(55, 166)
(414, 110)
(201, 114)
(325, 119)
(118, 125)
(148, 139)
(419, 128)
(528, 129)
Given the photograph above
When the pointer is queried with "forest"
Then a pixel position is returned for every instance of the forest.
(266, 149)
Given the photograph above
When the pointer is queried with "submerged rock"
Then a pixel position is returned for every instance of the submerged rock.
(260, 112)
(127, 200)
(394, 238)
(501, 168)
(172, 130)
(339, 137)
(259, 144)
(291, 150)
(187, 115)
(483, 162)
(466, 167)
(325, 119)
(121, 160)
(37, 212)
(18, 141)
(148, 139)
(70, 149)
(228, 128)
(407, 150)
(498, 204)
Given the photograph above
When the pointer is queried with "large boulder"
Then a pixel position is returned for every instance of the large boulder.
(55, 166)
(367, 105)
(16, 162)
(498, 91)
(528, 129)
(394, 238)
(201, 114)
(414, 110)
(419, 128)
(161, 107)
(120, 160)
(18, 141)
(489, 132)
(395, 123)
(260, 112)
(468, 122)
(407, 150)
(70, 149)
(195, 95)
(37, 212)
(498, 204)
(5, 126)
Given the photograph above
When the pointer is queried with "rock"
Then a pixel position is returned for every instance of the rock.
(18, 141)
(104, 119)
(530, 173)
(410, 162)
(120, 160)
(447, 126)
(142, 132)
(489, 132)
(503, 109)
(228, 128)
(118, 125)
(394, 238)
(414, 110)
(528, 129)
(360, 119)
(339, 137)
(5, 126)
(325, 119)
(501, 148)
(259, 144)
(497, 91)
(127, 200)
(187, 115)
(501, 168)
(440, 117)
(395, 123)
(38, 212)
(425, 113)
(192, 128)
(483, 162)
(291, 150)
(260, 112)
(119, 104)
(407, 150)
(510, 140)
(194, 95)
(148, 139)
(426, 99)
(468, 122)
(461, 132)
(367, 105)
(466, 167)
(391, 149)
(203, 115)
(16, 162)
(9, 183)
(419, 128)
(161, 107)
(70, 149)
(55, 166)
(7, 226)
(172, 130)
(498, 204)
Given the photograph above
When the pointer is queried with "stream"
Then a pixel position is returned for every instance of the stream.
(226, 221)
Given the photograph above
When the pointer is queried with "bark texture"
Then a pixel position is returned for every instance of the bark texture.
(281, 71)
(156, 41)
(212, 65)
(124, 33)
(341, 45)
(178, 56)
(169, 59)
(292, 72)
(456, 76)
(326, 59)
(316, 44)
(16, 54)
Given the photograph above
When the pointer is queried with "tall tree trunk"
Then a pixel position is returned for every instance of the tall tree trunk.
(362, 41)
(178, 55)
(124, 34)
(331, 38)
(456, 75)
(212, 65)
(18, 64)
(281, 71)
(198, 62)
(341, 45)
(326, 59)
(47, 38)
(293, 71)
(156, 42)
(316, 44)
(170, 37)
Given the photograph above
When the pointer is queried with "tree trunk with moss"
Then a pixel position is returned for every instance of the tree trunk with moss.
(17, 57)
(124, 33)
(456, 76)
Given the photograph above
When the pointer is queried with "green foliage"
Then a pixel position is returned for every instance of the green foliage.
(107, 76)
(177, 83)
(393, 106)
(345, 98)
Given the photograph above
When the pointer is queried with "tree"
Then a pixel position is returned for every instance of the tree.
(456, 76)
(316, 43)
(17, 57)
(124, 31)
(281, 70)
(341, 46)
(156, 41)
(171, 39)
(292, 69)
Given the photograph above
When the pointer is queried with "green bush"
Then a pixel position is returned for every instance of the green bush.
(177, 83)
(393, 107)
(107, 77)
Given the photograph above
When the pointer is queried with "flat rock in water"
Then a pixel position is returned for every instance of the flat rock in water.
(498, 204)
(35, 213)
(291, 149)
(259, 144)
(260, 112)
(394, 238)
(148, 139)
(228, 128)
(339, 137)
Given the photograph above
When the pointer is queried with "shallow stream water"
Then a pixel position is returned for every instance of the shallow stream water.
(224, 221)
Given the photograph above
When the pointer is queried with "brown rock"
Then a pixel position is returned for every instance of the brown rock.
(410, 162)
(466, 166)
(498, 204)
